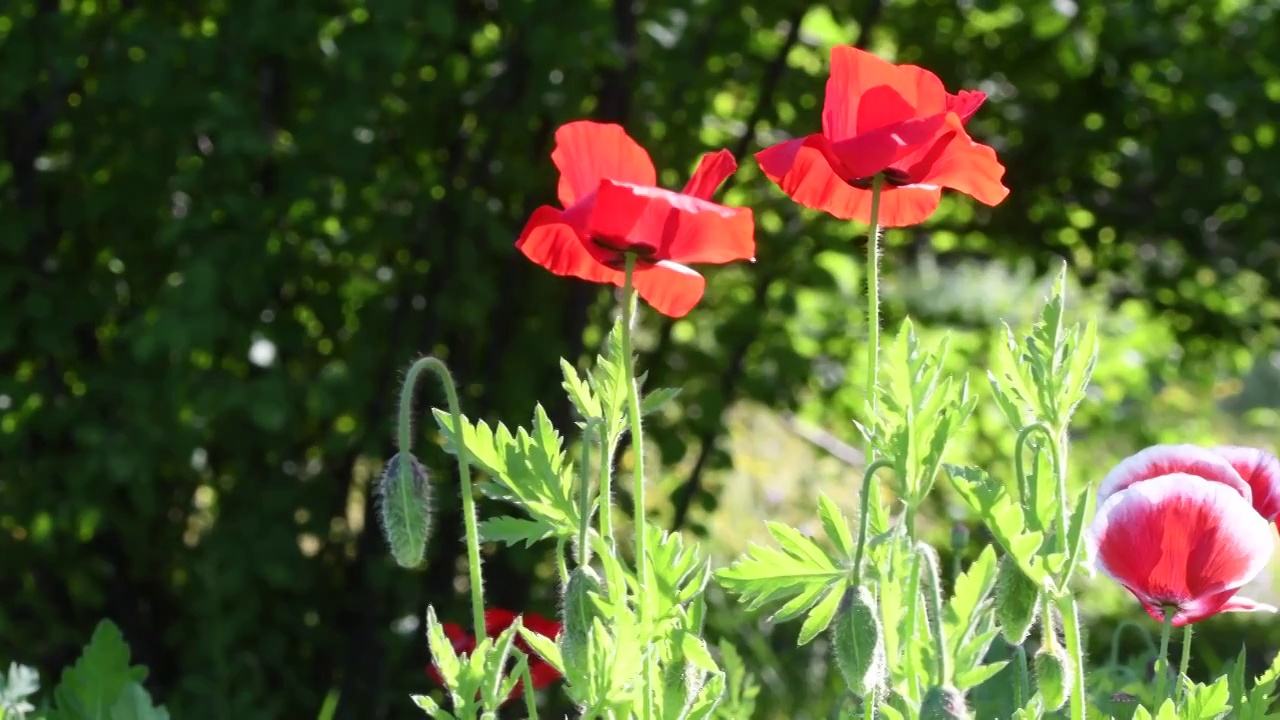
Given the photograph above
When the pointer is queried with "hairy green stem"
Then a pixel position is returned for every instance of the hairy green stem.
(441, 371)
(1073, 634)
(530, 698)
(873, 349)
(1022, 690)
(1162, 660)
(1184, 663)
(913, 616)
(605, 492)
(584, 494)
(637, 493)
(935, 610)
(869, 706)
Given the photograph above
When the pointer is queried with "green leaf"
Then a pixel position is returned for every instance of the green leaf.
(969, 622)
(1206, 702)
(580, 394)
(798, 572)
(820, 616)
(431, 707)
(90, 688)
(655, 399)
(135, 704)
(836, 526)
(1002, 515)
(514, 531)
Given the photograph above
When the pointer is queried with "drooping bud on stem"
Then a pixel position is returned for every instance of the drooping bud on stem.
(1017, 601)
(578, 613)
(859, 643)
(1053, 670)
(404, 508)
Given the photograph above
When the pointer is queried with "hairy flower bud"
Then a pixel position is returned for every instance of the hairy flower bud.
(859, 643)
(1017, 601)
(1053, 670)
(578, 612)
(943, 702)
(404, 508)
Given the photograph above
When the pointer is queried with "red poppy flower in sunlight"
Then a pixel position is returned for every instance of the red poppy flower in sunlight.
(495, 622)
(893, 119)
(1261, 470)
(1181, 541)
(612, 207)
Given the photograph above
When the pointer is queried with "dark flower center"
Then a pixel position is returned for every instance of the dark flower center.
(892, 176)
(616, 258)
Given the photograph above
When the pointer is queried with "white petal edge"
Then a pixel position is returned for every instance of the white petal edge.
(1177, 456)
(1243, 525)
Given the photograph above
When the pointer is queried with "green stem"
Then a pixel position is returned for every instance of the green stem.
(605, 492)
(868, 478)
(935, 597)
(530, 700)
(562, 565)
(1114, 658)
(1022, 691)
(637, 454)
(584, 495)
(869, 706)
(1019, 447)
(1162, 661)
(913, 613)
(441, 371)
(1073, 634)
(1048, 633)
(873, 350)
(1185, 662)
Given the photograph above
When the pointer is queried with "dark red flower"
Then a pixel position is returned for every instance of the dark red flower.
(893, 119)
(495, 622)
(1175, 527)
(612, 207)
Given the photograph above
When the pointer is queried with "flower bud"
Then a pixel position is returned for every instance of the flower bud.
(1053, 671)
(404, 508)
(578, 612)
(859, 643)
(1017, 601)
(943, 702)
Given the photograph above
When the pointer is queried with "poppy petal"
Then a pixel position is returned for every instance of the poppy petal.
(870, 152)
(1179, 540)
(1159, 460)
(670, 225)
(805, 173)
(557, 246)
(712, 171)
(1244, 604)
(671, 288)
(965, 103)
(964, 165)
(1261, 470)
(587, 152)
(866, 92)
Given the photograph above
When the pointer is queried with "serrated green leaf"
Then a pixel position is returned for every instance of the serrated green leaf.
(656, 398)
(819, 618)
(580, 394)
(836, 526)
(974, 675)
(135, 704)
(514, 531)
(90, 688)
(431, 707)
(1205, 702)
(1002, 516)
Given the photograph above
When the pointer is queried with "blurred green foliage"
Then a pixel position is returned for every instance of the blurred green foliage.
(226, 227)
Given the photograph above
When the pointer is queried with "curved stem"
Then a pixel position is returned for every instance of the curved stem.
(441, 371)
(1114, 658)
(868, 477)
(1018, 448)
(637, 493)
(1162, 661)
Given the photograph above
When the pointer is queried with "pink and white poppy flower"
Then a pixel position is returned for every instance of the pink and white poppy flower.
(1261, 470)
(1177, 530)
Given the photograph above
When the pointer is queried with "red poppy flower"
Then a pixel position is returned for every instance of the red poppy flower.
(495, 622)
(1261, 470)
(1181, 540)
(893, 119)
(612, 207)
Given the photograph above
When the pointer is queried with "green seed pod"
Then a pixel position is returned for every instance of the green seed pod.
(1053, 671)
(404, 509)
(943, 702)
(1017, 601)
(578, 612)
(859, 643)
